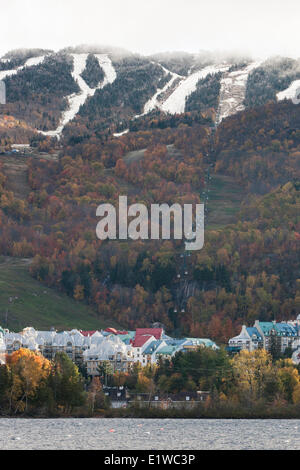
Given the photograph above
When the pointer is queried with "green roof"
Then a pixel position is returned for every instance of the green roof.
(167, 350)
(266, 326)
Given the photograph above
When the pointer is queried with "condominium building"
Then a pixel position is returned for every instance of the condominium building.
(281, 335)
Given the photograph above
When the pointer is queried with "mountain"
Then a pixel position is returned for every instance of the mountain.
(96, 122)
(115, 87)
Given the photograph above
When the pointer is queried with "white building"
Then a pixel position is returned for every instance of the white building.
(267, 334)
(121, 349)
(73, 343)
(249, 338)
(107, 349)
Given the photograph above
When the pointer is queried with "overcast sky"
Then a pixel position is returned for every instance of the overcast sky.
(259, 27)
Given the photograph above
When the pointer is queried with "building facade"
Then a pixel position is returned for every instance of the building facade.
(267, 335)
(98, 350)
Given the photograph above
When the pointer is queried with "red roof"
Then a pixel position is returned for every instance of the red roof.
(140, 340)
(143, 334)
(87, 333)
(116, 332)
(156, 332)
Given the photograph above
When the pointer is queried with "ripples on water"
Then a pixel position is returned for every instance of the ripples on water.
(154, 434)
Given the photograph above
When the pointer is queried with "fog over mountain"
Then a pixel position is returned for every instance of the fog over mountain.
(259, 28)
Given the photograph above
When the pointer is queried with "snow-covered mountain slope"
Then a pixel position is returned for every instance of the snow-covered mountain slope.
(77, 100)
(154, 102)
(232, 93)
(143, 85)
(292, 92)
(108, 68)
(175, 103)
(29, 63)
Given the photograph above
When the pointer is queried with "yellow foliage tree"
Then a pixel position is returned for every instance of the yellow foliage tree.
(29, 370)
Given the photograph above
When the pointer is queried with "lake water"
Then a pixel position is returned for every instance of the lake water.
(153, 434)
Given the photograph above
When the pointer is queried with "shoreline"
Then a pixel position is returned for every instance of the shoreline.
(164, 414)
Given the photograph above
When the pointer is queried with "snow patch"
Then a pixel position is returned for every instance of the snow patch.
(108, 68)
(118, 134)
(232, 93)
(29, 63)
(154, 102)
(292, 92)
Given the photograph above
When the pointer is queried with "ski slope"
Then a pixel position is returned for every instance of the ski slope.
(290, 93)
(154, 102)
(175, 103)
(29, 63)
(78, 99)
(232, 93)
(119, 134)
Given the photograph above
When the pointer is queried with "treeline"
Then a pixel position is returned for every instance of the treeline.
(249, 384)
(266, 81)
(93, 74)
(36, 96)
(260, 147)
(136, 82)
(30, 385)
(177, 62)
(244, 271)
(243, 379)
(206, 94)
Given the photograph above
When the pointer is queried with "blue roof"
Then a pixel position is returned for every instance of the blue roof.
(251, 330)
(164, 336)
(285, 329)
(282, 329)
(175, 341)
(152, 346)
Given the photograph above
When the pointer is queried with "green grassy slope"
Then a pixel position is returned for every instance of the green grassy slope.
(26, 302)
(224, 201)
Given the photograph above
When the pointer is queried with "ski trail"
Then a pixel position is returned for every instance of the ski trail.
(175, 103)
(153, 102)
(77, 100)
(108, 68)
(119, 134)
(29, 63)
(232, 93)
(292, 92)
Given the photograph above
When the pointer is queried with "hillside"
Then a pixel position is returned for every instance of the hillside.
(25, 302)
(108, 89)
(164, 128)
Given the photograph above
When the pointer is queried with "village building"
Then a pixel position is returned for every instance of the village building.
(249, 338)
(267, 335)
(117, 349)
(107, 349)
